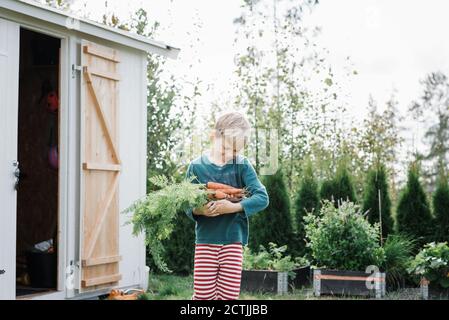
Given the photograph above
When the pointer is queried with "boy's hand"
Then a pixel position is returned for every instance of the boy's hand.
(201, 211)
(224, 206)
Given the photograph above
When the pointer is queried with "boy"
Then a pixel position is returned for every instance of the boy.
(221, 227)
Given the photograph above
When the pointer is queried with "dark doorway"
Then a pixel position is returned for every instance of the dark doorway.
(38, 156)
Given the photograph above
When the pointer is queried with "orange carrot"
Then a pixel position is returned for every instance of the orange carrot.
(210, 196)
(220, 195)
(216, 185)
(230, 191)
(218, 190)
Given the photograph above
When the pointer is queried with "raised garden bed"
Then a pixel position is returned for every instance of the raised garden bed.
(265, 281)
(303, 277)
(272, 271)
(431, 291)
(350, 283)
(268, 281)
(431, 265)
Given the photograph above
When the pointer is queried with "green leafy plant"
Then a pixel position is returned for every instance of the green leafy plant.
(341, 238)
(155, 213)
(432, 262)
(179, 247)
(398, 250)
(273, 259)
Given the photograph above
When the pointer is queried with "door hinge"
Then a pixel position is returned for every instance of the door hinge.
(75, 68)
(72, 275)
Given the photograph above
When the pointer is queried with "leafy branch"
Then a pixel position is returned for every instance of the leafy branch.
(155, 213)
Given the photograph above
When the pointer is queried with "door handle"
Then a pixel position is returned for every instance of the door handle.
(16, 174)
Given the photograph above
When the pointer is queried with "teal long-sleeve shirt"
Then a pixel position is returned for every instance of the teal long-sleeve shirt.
(233, 227)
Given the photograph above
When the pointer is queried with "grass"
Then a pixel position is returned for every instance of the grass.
(169, 287)
(173, 287)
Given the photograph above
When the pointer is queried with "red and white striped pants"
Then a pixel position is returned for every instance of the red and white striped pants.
(217, 271)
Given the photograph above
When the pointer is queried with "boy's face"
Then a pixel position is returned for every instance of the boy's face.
(229, 145)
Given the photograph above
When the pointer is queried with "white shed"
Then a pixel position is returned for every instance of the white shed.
(72, 153)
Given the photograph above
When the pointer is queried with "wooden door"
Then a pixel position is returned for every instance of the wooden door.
(100, 167)
(9, 94)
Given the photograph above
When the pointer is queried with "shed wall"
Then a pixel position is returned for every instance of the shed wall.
(132, 148)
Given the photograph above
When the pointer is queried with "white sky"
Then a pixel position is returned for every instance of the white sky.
(392, 43)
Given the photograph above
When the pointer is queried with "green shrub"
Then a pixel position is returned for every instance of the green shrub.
(307, 200)
(441, 209)
(398, 251)
(256, 261)
(432, 262)
(413, 212)
(274, 224)
(274, 259)
(341, 238)
(377, 183)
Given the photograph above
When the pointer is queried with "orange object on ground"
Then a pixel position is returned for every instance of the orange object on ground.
(116, 294)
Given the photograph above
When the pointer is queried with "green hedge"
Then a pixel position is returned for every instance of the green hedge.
(274, 224)
(307, 200)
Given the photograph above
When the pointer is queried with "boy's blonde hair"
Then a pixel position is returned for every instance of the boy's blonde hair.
(232, 124)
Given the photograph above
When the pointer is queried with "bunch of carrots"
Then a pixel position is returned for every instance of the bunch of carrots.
(218, 191)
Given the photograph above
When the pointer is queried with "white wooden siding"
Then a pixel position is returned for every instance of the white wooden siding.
(9, 75)
(133, 155)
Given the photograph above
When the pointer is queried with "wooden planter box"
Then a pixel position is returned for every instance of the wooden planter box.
(275, 281)
(303, 278)
(351, 283)
(264, 281)
(428, 291)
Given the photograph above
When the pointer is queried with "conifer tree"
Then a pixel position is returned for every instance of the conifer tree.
(376, 199)
(307, 200)
(441, 209)
(413, 213)
(340, 188)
